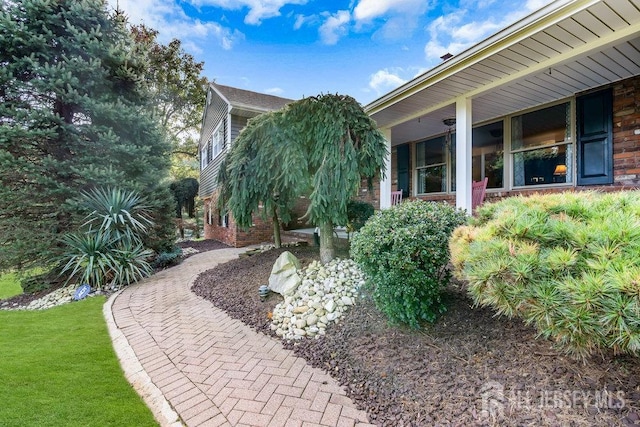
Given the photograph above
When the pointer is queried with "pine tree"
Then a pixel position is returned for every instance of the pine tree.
(73, 115)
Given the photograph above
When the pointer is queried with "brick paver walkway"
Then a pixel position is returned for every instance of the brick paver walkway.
(195, 365)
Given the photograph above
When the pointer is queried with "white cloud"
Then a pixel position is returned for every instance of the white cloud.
(334, 27)
(456, 31)
(171, 22)
(367, 10)
(399, 17)
(274, 91)
(382, 81)
(259, 10)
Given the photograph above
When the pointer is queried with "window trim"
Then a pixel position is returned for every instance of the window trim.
(569, 141)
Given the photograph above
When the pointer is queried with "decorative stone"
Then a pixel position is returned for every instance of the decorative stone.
(284, 278)
(301, 309)
(312, 319)
(330, 306)
(346, 300)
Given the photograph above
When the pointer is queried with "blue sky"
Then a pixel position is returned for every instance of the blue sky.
(296, 48)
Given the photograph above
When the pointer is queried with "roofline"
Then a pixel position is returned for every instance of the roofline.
(516, 32)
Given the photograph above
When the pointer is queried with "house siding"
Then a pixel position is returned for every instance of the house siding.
(217, 112)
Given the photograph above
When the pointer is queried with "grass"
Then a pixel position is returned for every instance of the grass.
(58, 367)
(9, 285)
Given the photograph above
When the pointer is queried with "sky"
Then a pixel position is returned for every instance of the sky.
(297, 48)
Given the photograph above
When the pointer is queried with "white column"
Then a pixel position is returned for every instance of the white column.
(463, 154)
(385, 182)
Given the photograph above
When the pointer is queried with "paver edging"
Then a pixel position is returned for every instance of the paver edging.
(135, 373)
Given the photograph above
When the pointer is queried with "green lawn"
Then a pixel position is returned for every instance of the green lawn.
(9, 285)
(57, 367)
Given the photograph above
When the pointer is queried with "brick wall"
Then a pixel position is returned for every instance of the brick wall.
(370, 196)
(232, 235)
(626, 132)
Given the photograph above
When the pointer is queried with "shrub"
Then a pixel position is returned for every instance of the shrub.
(404, 252)
(569, 264)
(167, 259)
(357, 214)
(112, 254)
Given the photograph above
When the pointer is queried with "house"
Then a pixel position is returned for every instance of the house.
(226, 113)
(551, 103)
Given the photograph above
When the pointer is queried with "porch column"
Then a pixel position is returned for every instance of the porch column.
(385, 182)
(463, 154)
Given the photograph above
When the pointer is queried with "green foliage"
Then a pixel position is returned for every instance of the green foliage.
(357, 214)
(178, 92)
(112, 254)
(185, 192)
(320, 147)
(404, 252)
(167, 259)
(569, 264)
(74, 114)
(53, 359)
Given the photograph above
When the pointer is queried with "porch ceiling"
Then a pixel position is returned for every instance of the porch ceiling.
(565, 48)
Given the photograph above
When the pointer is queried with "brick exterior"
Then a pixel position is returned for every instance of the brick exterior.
(626, 142)
(626, 149)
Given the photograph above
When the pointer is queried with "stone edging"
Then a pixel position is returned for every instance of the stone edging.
(135, 373)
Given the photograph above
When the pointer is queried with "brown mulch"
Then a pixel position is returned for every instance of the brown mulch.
(442, 374)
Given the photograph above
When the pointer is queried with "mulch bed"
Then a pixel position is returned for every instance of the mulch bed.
(446, 373)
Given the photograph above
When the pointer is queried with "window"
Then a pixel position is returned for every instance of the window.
(488, 154)
(223, 219)
(541, 146)
(431, 164)
(217, 141)
(204, 157)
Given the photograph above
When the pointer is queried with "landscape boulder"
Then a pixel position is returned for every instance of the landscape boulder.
(284, 277)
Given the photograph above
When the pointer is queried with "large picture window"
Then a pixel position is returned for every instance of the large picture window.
(431, 165)
(541, 146)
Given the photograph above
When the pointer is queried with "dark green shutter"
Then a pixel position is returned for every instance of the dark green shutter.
(402, 159)
(595, 138)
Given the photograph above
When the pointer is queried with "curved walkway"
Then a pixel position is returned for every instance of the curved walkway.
(196, 366)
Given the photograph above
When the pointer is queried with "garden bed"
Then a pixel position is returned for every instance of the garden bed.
(446, 373)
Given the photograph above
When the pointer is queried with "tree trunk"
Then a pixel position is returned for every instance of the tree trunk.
(327, 252)
(276, 229)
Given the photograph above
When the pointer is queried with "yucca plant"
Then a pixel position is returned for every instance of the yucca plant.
(88, 257)
(119, 213)
(112, 253)
(569, 264)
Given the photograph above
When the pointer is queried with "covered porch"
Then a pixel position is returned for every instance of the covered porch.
(547, 104)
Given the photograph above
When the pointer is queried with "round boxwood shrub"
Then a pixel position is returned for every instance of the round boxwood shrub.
(569, 264)
(404, 252)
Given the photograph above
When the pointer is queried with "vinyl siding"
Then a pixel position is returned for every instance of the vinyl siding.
(217, 112)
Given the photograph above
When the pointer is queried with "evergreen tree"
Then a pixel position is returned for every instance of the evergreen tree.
(73, 115)
(321, 147)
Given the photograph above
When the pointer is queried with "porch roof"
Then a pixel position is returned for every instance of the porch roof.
(565, 48)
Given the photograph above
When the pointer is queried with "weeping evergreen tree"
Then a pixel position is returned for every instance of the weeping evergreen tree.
(73, 115)
(254, 175)
(321, 147)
